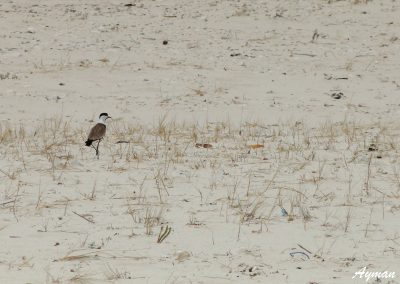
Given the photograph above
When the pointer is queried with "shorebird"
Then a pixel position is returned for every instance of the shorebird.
(97, 132)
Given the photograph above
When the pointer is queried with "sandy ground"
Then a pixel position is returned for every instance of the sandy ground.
(297, 102)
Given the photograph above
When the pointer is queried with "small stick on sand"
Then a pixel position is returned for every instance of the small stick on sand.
(83, 217)
(313, 254)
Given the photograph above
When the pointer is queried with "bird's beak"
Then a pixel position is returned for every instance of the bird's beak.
(108, 117)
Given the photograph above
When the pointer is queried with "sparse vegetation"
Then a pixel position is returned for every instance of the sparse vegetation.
(251, 141)
(301, 170)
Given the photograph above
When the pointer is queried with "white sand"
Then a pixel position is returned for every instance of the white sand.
(233, 74)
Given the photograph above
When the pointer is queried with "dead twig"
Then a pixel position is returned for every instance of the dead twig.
(83, 217)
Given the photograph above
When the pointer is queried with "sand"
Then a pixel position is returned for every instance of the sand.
(293, 106)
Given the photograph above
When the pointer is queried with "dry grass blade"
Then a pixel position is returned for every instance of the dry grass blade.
(256, 146)
(86, 217)
(164, 232)
(71, 256)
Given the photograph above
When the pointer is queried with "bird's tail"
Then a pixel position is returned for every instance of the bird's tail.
(88, 142)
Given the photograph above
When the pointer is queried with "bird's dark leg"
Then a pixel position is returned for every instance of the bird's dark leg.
(97, 149)
(94, 148)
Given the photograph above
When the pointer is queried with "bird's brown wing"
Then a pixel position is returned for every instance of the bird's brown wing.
(98, 131)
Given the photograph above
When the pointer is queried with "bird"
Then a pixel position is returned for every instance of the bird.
(97, 132)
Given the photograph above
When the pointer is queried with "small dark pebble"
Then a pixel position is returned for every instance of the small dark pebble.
(235, 54)
(165, 42)
(56, 244)
(337, 96)
(372, 148)
(61, 84)
(129, 5)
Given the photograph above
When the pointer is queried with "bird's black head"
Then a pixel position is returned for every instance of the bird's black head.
(104, 113)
